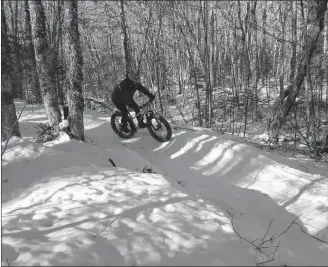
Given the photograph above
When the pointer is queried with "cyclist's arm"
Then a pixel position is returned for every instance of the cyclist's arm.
(144, 90)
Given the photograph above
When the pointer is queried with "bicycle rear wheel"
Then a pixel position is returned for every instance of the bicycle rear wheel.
(159, 128)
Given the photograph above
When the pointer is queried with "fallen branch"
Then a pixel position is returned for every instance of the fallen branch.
(323, 241)
(7, 262)
(272, 256)
(147, 170)
(242, 238)
(106, 227)
(267, 229)
(111, 161)
(45, 133)
(272, 238)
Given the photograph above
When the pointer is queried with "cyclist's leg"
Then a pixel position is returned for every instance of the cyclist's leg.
(136, 109)
(125, 113)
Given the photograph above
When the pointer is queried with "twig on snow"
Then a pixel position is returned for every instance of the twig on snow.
(267, 229)
(305, 168)
(273, 237)
(256, 239)
(111, 161)
(106, 227)
(147, 170)
(289, 226)
(272, 255)
(7, 262)
(242, 238)
(323, 241)
(270, 239)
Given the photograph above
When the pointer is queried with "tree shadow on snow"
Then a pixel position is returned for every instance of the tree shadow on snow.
(210, 163)
(155, 223)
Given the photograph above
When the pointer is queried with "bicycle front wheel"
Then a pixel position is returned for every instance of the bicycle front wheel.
(159, 128)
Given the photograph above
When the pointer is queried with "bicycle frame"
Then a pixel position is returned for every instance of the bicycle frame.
(144, 110)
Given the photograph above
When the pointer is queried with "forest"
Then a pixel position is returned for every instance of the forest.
(239, 180)
(231, 66)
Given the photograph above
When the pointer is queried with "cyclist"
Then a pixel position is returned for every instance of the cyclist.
(122, 96)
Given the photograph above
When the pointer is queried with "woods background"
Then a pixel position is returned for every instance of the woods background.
(227, 65)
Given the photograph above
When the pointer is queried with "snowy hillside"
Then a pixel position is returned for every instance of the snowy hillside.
(210, 199)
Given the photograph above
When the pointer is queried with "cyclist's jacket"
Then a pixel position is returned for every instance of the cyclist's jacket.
(124, 91)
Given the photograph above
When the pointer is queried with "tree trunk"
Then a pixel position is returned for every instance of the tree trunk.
(281, 65)
(18, 69)
(315, 23)
(34, 95)
(294, 40)
(9, 122)
(325, 148)
(75, 74)
(263, 51)
(61, 74)
(43, 61)
(127, 47)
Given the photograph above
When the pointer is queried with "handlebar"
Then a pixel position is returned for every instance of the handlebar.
(146, 104)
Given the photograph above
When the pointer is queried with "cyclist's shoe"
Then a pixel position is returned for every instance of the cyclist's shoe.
(142, 124)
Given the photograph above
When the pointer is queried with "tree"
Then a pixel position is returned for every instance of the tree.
(315, 24)
(75, 74)
(43, 61)
(34, 96)
(18, 88)
(9, 125)
(126, 43)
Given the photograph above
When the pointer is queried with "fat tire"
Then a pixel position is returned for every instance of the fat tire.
(153, 133)
(117, 131)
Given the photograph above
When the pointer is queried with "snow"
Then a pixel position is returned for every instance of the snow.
(63, 202)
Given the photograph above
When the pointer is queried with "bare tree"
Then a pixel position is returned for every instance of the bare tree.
(43, 61)
(315, 24)
(34, 94)
(18, 88)
(75, 74)
(9, 125)
(127, 46)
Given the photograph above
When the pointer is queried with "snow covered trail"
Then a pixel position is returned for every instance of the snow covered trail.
(65, 204)
(260, 186)
(208, 162)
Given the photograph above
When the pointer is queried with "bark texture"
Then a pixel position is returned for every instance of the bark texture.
(42, 58)
(315, 25)
(9, 122)
(34, 91)
(75, 73)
